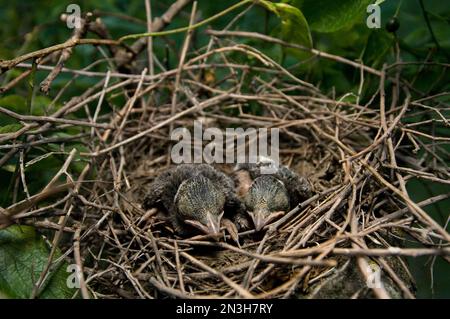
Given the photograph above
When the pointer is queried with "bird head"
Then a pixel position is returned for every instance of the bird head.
(266, 200)
(199, 203)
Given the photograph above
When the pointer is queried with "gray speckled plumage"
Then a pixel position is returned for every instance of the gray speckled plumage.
(193, 197)
(267, 196)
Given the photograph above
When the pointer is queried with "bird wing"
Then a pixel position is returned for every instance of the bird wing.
(298, 187)
(162, 191)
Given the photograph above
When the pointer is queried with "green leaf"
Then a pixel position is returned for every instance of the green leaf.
(332, 15)
(294, 27)
(14, 103)
(10, 128)
(23, 256)
(40, 104)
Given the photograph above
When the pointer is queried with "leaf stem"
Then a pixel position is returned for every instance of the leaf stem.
(183, 29)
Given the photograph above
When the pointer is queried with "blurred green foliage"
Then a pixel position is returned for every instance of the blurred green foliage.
(23, 257)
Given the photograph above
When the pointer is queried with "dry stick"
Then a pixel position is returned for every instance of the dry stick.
(152, 242)
(15, 135)
(387, 132)
(179, 270)
(422, 175)
(380, 292)
(272, 228)
(399, 213)
(304, 239)
(119, 116)
(70, 106)
(432, 137)
(446, 122)
(148, 11)
(100, 101)
(125, 111)
(47, 225)
(240, 290)
(236, 287)
(6, 65)
(15, 81)
(291, 282)
(265, 258)
(48, 191)
(18, 146)
(414, 208)
(157, 76)
(25, 204)
(251, 269)
(199, 107)
(369, 252)
(230, 269)
(39, 211)
(116, 193)
(79, 262)
(135, 282)
(351, 204)
(64, 56)
(158, 256)
(293, 238)
(180, 65)
(292, 45)
(398, 175)
(85, 99)
(178, 294)
(157, 25)
(51, 119)
(63, 220)
(182, 29)
(268, 61)
(38, 286)
(63, 169)
(229, 25)
(22, 173)
(362, 263)
(378, 289)
(386, 267)
(264, 59)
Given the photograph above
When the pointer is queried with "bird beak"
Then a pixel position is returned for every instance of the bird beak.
(261, 219)
(212, 226)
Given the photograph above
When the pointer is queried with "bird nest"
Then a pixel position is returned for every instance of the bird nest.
(357, 157)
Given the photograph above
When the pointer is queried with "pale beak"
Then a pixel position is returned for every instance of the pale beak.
(212, 226)
(261, 218)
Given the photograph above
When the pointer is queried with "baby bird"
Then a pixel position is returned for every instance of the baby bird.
(269, 190)
(193, 197)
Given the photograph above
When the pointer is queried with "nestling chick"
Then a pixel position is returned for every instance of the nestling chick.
(268, 196)
(193, 197)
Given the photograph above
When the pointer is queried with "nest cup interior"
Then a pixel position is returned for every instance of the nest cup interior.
(132, 244)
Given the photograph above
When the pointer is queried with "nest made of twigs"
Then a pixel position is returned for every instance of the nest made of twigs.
(354, 155)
